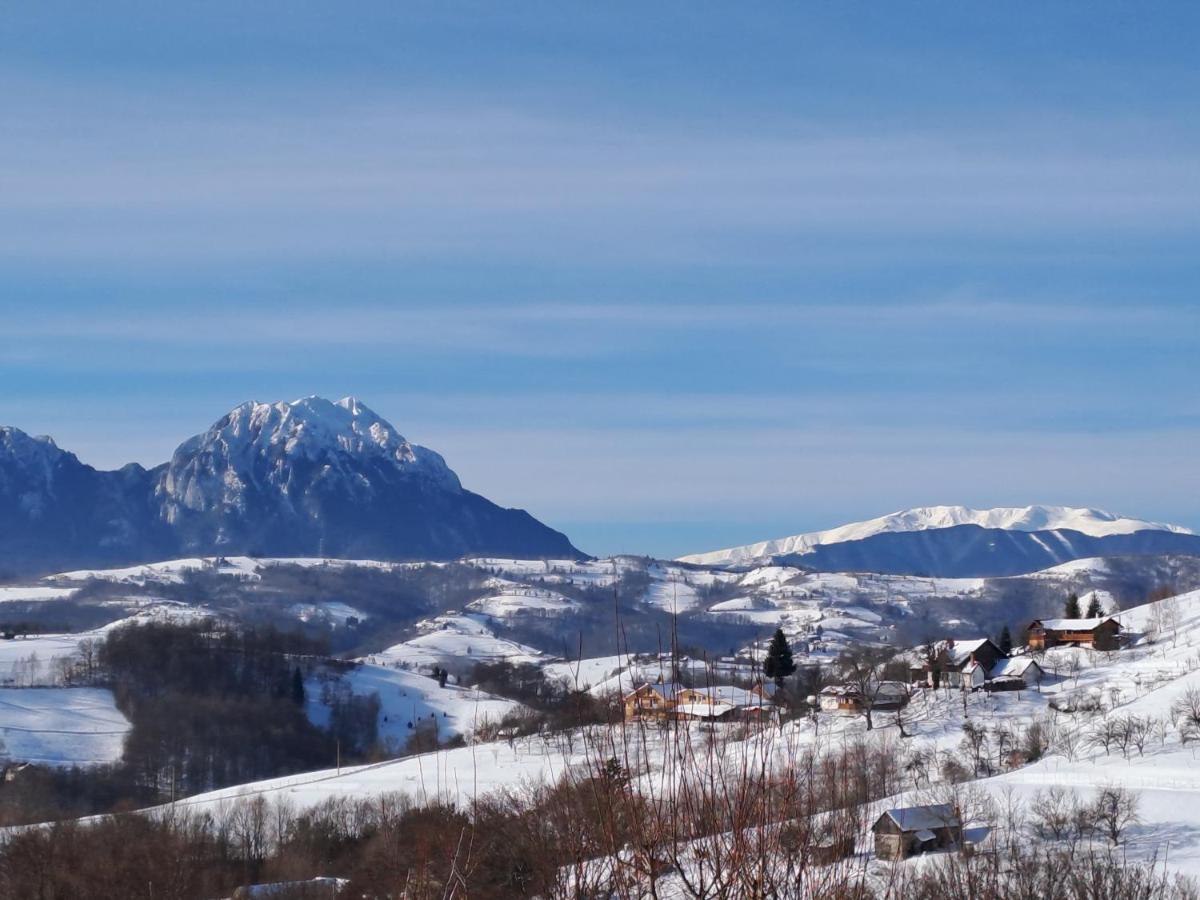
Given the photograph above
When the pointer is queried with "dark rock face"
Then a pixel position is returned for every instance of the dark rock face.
(310, 478)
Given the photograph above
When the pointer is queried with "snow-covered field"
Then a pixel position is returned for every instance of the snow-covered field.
(408, 701)
(61, 726)
(31, 661)
(454, 638)
(33, 594)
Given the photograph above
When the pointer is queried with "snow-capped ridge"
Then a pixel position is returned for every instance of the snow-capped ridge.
(1092, 522)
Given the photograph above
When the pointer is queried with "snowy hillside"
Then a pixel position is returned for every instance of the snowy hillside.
(908, 541)
(61, 726)
(409, 702)
(1080, 692)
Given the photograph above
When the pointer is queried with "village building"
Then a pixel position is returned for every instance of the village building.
(943, 664)
(841, 698)
(972, 676)
(901, 833)
(1015, 673)
(847, 699)
(1102, 633)
(649, 702)
(722, 702)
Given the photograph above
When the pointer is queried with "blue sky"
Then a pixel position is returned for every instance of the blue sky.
(672, 276)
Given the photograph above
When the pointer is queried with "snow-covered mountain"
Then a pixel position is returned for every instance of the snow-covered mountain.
(964, 542)
(307, 478)
(54, 510)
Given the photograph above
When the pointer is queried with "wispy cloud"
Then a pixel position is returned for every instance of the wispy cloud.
(405, 177)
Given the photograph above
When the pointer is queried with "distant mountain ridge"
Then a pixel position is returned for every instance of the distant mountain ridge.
(311, 477)
(956, 541)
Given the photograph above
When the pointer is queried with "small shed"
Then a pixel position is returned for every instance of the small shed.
(973, 676)
(903, 832)
(1024, 670)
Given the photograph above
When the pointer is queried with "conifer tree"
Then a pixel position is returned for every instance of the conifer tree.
(779, 663)
(1094, 610)
(297, 687)
(1005, 643)
(1071, 611)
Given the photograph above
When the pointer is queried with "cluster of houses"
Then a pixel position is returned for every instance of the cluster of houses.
(663, 700)
(977, 664)
(967, 664)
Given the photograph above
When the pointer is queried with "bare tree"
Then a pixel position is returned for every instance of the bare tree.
(862, 666)
(1114, 810)
(1186, 713)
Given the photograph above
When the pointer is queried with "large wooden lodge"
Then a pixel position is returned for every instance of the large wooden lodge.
(1102, 633)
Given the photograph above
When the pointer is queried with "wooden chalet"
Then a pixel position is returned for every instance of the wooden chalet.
(904, 832)
(841, 698)
(722, 702)
(648, 701)
(1103, 633)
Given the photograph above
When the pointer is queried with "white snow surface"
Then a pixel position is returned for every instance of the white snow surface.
(1094, 522)
(455, 638)
(76, 726)
(33, 594)
(408, 699)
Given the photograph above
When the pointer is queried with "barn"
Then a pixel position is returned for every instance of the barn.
(906, 831)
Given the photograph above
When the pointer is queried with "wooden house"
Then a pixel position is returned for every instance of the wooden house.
(651, 701)
(1102, 633)
(841, 698)
(901, 833)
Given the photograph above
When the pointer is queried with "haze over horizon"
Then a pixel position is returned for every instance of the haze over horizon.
(671, 280)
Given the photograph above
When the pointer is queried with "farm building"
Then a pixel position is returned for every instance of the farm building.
(1022, 671)
(1103, 633)
(901, 833)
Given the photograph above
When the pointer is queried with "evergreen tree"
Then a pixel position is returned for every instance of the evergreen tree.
(442, 675)
(1094, 610)
(297, 687)
(1005, 643)
(1071, 611)
(779, 663)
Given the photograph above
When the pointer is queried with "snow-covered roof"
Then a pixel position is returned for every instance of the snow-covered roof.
(665, 689)
(1013, 667)
(960, 651)
(726, 693)
(840, 690)
(704, 710)
(925, 835)
(1075, 624)
(917, 818)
